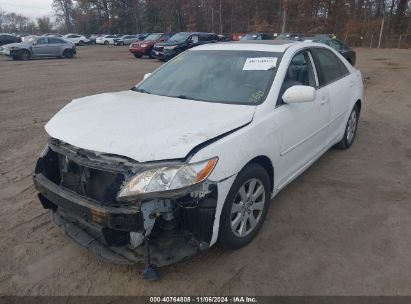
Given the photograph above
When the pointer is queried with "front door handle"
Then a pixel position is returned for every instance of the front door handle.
(324, 100)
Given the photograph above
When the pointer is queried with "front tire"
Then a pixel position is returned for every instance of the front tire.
(68, 53)
(81, 43)
(350, 130)
(106, 42)
(138, 55)
(24, 55)
(245, 207)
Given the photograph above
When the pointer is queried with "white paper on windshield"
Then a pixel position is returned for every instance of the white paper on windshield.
(260, 64)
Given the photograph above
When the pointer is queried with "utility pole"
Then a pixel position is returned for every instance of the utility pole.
(284, 20)
(221, 20)
(382, 28)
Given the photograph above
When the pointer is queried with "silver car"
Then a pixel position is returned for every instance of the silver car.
(35, 47)
(126, 39)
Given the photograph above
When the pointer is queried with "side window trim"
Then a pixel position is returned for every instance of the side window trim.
(314, 69)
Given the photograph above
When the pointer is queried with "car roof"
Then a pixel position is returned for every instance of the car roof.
(250, 45)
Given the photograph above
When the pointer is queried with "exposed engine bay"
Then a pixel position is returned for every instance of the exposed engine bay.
(81, 188)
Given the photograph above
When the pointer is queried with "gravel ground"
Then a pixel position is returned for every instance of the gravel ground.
(342, 228)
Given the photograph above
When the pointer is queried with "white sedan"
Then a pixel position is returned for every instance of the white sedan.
(192, 156)
(106, 39)
(77, 39)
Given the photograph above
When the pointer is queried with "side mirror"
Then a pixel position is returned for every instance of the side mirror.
(299, 94)
(147, 75)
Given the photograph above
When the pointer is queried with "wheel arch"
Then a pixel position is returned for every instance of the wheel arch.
(265, 162)
(359, 104)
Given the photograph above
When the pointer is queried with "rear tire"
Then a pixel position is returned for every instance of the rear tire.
(245, 207)
(350, 130)
(24, 55)
(138, 55)
(81, 43)
(106, 42)
(68, 54)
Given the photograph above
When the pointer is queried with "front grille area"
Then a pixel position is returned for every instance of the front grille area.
(98, 185)
(159, 48)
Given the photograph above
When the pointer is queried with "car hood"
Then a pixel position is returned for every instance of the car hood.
(171, 42)
(144, 127)
(10, 45)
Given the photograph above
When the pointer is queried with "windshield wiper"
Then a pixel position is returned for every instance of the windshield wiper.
(140, 90)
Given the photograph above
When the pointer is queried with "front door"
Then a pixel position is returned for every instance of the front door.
(41, 47)
(303, 127)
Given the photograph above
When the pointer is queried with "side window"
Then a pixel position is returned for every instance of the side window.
(330, 67)
(299, 72)
(194, 39)
(42, 41)
(55, 40)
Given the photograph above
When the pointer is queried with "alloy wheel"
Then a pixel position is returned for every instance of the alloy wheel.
(351, 126)
(247, 207)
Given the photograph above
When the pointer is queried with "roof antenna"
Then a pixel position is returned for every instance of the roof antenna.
(150, 271)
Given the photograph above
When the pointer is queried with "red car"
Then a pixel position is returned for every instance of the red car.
(140, 48)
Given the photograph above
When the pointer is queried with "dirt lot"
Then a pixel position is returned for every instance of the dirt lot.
(342, 228)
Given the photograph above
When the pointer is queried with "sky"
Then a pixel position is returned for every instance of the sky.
(29, 8)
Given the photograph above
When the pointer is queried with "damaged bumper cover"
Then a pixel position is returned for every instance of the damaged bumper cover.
(81, 189)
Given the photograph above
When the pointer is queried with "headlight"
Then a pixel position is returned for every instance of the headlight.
(172, 47)
(166, 179)
(143, 45)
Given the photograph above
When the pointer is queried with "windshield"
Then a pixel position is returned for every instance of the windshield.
(153, 37)
(180, 36)
(243, 77)
(249, 37)
(31, 39)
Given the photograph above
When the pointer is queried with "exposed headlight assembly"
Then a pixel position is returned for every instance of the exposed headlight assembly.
(143, 45)
(166, 181)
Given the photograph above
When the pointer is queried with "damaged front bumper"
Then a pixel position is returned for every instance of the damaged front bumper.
(80, 188)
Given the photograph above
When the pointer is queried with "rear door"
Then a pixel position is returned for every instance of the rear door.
(335, 76)
(56, 46)
(302, 126)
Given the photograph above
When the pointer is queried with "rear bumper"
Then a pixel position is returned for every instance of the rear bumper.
(53, 197)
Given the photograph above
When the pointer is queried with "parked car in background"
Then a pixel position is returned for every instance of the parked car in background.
(142, 36)
(77, 39)
(92, 38)
(43, 46)
(145, 47)
(347, 52)
(181, 42)
(195, 152)
(223, 38)
(106, 39)
(52, 35)
(6, 39)
(290, 36)
(257, 36)
(237, 36)
(125, 39)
